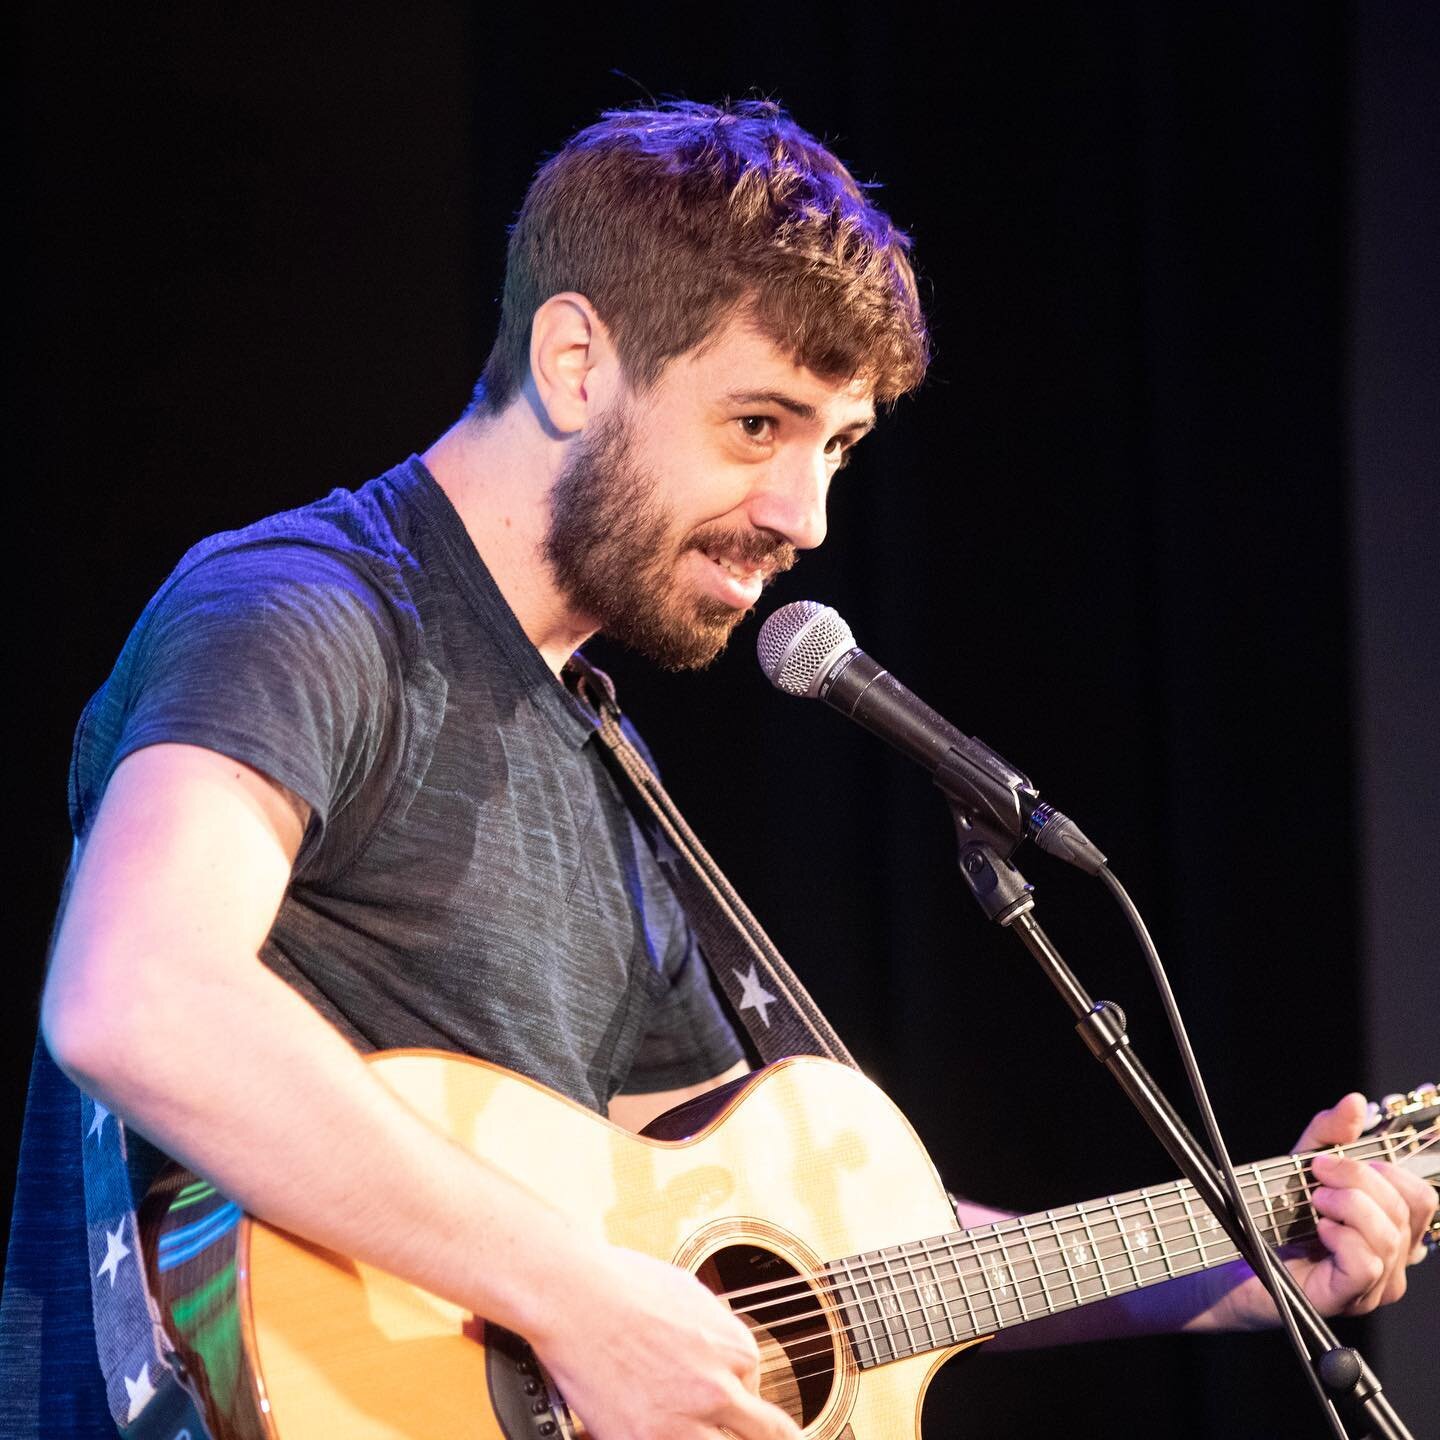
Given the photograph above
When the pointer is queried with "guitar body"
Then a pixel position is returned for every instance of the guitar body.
(802, 1163)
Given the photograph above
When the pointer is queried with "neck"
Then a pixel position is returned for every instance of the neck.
(943, 1291)
(497, 472)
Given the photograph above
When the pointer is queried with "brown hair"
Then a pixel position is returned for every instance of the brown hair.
(667, 219)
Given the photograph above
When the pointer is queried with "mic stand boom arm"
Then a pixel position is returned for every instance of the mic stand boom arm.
(1007, 898)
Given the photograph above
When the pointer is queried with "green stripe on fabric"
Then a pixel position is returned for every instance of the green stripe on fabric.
(217, 1343)
(192, 1195)
(189, 1309)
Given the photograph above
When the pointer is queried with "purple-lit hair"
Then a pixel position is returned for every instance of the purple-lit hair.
(668, 219)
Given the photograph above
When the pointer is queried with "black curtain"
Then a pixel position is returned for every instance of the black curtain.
(1111, 536)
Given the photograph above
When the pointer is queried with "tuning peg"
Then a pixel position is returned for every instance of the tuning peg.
(1425, 1095)
(1394, 1104)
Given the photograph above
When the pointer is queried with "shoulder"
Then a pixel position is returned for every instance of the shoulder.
(338, 566)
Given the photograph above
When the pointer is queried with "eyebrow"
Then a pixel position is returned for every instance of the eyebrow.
(799, 408)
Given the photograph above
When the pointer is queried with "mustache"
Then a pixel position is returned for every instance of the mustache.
(746, 547)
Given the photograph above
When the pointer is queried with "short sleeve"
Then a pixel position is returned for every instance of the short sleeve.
(277, 655)
(688, 1038)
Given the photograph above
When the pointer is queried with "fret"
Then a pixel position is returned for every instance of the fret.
(1152, 1241)
(873, 1317)
(885, 1302)
(1125, 1251)
(1161, 1246)
(1017, 1290)
(1284, 1209)
(1205, 1219)
(964, 1295)
(999, 1280)
(1064, 1255)
(1268, 1225)
(1302, 1209)
(986, 1277)
(925, 1293)
(1037, 1260)
(904, 1304)
(844, 1295)
(1094, 1250)
(1145, 1232)
(1112, 1257)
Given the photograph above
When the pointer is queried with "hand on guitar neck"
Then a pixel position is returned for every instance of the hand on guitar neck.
(1373, 1216)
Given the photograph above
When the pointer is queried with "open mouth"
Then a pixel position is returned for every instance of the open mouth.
(737, 582)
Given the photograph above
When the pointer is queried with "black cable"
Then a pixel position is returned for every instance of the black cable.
(1219, 1151)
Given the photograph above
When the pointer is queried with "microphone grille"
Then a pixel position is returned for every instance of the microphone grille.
(798, 643)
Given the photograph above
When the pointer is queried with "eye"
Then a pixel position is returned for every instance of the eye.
(759, 428)
(839, 452)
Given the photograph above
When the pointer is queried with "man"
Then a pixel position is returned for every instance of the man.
(339, 741)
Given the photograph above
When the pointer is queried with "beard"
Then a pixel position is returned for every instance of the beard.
(613, 550)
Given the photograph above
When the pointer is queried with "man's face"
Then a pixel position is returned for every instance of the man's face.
(676, 508)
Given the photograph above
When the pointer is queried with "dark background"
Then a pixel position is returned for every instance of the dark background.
(1161, 525)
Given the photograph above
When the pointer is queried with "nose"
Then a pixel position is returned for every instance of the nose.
(790, 499)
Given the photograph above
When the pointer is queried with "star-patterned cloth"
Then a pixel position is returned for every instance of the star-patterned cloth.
(146, 1399)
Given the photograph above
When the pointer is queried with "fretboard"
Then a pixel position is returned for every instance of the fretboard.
(923, 1296)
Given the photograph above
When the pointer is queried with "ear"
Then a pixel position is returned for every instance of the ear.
(571, 359)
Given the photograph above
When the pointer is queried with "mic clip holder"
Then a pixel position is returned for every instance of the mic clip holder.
(989, 832)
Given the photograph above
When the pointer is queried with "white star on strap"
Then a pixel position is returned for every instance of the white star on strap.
(115, 1251)
(753, 995)
(97, 1121)
(140, 1391)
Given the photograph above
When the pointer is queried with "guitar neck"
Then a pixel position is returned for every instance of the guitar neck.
(935, 1293)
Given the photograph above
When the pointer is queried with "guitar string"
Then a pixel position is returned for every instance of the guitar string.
(1165, 1196)
(1168, 1195)
(798, 1287)
(997, 1299)
(1022, 1294)
(1042, 1275)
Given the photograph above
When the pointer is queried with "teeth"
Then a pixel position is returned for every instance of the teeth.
(730, 567)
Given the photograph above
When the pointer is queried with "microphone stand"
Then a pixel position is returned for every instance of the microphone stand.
(1007, 898)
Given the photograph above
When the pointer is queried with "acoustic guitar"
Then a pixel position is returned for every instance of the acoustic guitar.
(799, 1193)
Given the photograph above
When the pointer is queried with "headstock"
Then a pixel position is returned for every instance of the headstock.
(1414, 1107)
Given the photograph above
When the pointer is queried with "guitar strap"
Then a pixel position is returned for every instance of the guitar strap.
(764, 993)
(147, 1398)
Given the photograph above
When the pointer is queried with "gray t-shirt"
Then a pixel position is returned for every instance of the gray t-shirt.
(471, 878)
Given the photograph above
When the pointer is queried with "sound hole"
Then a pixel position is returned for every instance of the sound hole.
(797, 1351)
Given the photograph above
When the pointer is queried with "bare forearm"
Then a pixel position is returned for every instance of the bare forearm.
(234, 1074)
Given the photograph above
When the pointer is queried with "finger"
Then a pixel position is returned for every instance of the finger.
(748, 1417)
(1372, 1217)
(1378, 1182)
(1421, 1199)
(1376, 1179)
(1338, 1125)
(744, 1357)
(1350, 1277)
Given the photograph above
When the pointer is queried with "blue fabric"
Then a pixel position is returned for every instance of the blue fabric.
(50, 1382)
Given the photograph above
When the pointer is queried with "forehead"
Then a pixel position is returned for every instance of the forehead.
(739, 359)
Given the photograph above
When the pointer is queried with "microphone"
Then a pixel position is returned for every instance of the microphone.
(806, 649)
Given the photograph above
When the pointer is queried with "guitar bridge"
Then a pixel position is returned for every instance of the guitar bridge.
(522, 1394)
